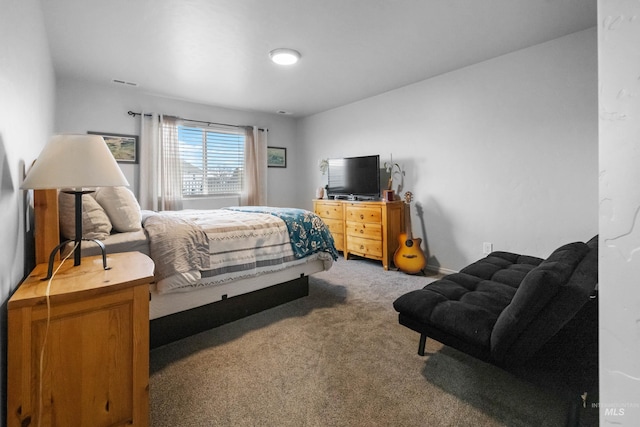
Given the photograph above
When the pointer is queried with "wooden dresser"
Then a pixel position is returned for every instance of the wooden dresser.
(332, 213)
(369, 229)
(95, 369)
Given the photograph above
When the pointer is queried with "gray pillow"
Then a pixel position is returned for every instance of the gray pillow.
(95, 222)
(122, 208)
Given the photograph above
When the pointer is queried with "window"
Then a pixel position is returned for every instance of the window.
(212, 161)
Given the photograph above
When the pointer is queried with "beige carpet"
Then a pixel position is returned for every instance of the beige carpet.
(336, 358)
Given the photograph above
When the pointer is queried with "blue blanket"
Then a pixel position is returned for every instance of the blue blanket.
(307, 231)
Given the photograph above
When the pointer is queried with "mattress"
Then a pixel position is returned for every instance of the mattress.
(166, 304)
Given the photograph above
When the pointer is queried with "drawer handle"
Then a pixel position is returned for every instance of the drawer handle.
(361, 216)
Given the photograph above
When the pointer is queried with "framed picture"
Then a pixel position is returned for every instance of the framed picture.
(276, 157)
(123, 147)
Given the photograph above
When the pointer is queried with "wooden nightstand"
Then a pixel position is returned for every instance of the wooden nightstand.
(95, 369)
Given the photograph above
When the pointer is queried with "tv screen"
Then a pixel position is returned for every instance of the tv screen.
(354, 176)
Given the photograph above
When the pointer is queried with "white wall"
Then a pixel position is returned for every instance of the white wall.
(26, 120)
(83, 106)
(619, 68)
(504, 151)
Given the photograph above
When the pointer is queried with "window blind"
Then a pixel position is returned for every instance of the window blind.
(212, 161)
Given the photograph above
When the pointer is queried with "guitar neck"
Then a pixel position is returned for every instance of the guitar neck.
(407, 221)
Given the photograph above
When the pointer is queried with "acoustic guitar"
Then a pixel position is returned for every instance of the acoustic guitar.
(409, 257)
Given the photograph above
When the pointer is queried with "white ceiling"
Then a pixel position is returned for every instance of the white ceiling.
(216, 51)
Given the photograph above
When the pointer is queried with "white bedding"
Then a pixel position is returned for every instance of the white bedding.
(238, 245)
(241, 244)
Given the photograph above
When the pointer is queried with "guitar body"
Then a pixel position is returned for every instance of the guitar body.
(409, 257)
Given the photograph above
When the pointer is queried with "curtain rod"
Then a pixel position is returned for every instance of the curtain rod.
(133, 114)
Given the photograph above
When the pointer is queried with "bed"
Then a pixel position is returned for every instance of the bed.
(212, 266)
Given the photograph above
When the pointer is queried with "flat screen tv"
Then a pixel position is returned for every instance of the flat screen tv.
(354, 178)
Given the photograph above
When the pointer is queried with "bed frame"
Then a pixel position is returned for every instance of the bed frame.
(179, 315)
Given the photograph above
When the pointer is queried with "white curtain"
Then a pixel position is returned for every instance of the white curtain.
(254, 192)
(160, 164)
(170, 165)
(149, 137)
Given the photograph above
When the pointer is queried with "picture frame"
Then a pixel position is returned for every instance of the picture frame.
(123, 147)
(276, 157)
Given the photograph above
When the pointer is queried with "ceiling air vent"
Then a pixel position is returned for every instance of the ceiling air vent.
(124, 83)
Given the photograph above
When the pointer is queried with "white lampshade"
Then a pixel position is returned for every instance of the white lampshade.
(75, 161)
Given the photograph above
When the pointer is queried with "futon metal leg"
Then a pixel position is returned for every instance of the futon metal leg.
(423, 341)
(573, 415)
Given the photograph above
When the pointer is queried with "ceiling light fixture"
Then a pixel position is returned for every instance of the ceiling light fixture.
(284, 56)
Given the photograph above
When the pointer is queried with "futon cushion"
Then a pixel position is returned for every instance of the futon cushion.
(467, 304)
(571, 297)
(536, 290)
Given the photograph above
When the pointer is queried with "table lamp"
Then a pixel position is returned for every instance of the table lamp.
(75, 164)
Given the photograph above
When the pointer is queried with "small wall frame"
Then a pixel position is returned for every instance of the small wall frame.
(123, 147)
(276, 157)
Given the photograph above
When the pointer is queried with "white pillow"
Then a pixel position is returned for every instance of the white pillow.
(122, 207)
(95, 222)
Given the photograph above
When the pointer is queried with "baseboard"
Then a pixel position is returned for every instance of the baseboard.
(440, 270)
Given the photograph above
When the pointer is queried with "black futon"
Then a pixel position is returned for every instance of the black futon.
(536, 318)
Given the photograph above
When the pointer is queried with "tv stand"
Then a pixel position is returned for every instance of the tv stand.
(369, 229)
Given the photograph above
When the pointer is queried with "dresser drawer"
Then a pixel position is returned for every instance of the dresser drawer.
(367, 230)
(334, 225)
(335, 228)
(366, 214)
(364, 247)
(338, 240)
(329, 210)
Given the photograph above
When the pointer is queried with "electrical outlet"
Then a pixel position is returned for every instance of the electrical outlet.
(487, 248)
